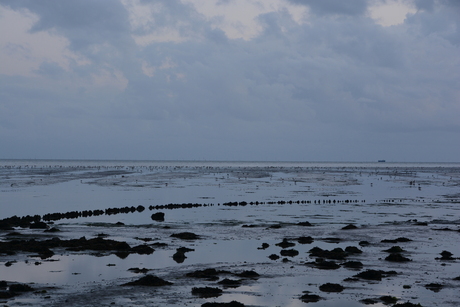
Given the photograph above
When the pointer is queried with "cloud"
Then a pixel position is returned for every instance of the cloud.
(177, 80)
(326, 7)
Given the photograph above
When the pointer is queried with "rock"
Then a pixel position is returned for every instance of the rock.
(353, 250)
(394, 249)
(310, 298)
(387, 299)
(374, 274)
(285, 243)
(38, 225)
(326, 265)
(159, 216)
(434, 287)
(207, 292)
(274, 257)
(248, 274)
(364, 243)
(349, 226)
(264, 246)
(330, 287)
(142, 249)
(185, 236)
(446, 255)
(353, 264)
(209, 274)
(20, 288)
(230, 282)
(397, 258)
(150, 281)
(289, 252)
(137, 270)
(336, 253)
(408, 304)
(307, 224)
(305, 240)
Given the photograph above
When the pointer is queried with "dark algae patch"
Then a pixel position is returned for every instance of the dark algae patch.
(149, 281)
(331, 287)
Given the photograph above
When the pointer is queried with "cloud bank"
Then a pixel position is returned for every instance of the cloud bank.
(230, 80)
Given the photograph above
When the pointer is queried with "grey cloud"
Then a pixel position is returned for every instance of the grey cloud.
(298, 92)
(326, 7)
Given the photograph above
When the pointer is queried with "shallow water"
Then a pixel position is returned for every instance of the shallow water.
(382, 199)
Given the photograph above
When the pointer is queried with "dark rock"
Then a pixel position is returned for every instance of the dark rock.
(137, 270)
(3, 284)
(142, 249)
(54, 229)
(394, 249)
(310, 298)
(185, 236)
(264, 246)
(397, 258)
(400, 239)
(374, 274)
(285, 243)
(369, 301)
(207, 292)
(434, 287)
(353, 264)
(248, 274)
(326, 265)
(274, 257)
(330, 287)
(305, 240)
(209, 274)
(349, 226)
(289, 252)
(408, 304)
(159, 216)
(277, 226)
(353, 250)
(307, 224)
(457, 278)
(150, 281)
(387, 299)
(38, 225)
(20, 288)
(364, 243)
(230, 282)
(336, 253)
(6, 295)
(230, 304)
(446, 255)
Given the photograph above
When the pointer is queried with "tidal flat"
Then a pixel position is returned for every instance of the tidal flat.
(181, 233)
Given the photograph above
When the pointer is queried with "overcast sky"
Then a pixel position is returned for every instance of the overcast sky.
(278, 80)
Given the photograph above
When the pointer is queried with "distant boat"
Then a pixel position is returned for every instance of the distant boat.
(381, 160)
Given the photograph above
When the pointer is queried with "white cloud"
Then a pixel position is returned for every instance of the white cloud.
(391, 12)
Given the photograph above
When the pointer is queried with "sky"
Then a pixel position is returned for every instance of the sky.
(240, 80)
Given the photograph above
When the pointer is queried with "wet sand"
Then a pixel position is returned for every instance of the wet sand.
(300, 227)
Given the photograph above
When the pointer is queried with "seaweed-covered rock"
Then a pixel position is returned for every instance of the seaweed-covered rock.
(307, 224)
(305, 240)
(353, 264)
(396, 257)
(349, 226)
(326, 265)
(408, 304)
(150, 281)
(434, 287)
(185, 236)
(230, 282)
(336, 253)
(289, 252)
(20, 288)
(353, 250)
(248, 274)
(285, 243)
(446, 255)
(274, 257)
(310, 298)
(264, 246)
(331, 287)
(400, 239)
(159, 216)
(375, 274)
(207, 291)
(394, 249)
(142, 249)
